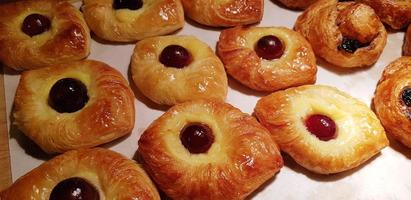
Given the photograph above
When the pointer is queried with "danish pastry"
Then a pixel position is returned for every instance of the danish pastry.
(407, 42)
(267, 59)
(395, 13)
(132, 20)
(224, 13)
(173, 69)
(392, 101)
(207, 149)
(89, 174)
(322, 128)
(346, 34)
(38, 33)
(69, 106)
(297, 4)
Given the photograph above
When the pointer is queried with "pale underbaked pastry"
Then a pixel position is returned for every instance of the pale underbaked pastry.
(267, 58)
(125, 21)
(207, 149)
(346, 34)
(224, 13)
(69, 106)
(173, 69)
(88, 174)
(407, 42)
(395, 13)
(38, 33)
(297, 4)
(321, 128)
(392, 100)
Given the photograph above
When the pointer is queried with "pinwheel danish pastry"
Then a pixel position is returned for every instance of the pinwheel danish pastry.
(297, 4)
(131, 20)
(207, 149)
(395, 13)
(69, 106)
(173, 69)
(392, 100)
(407, 42)
(322, 128)
(38, 33)
(346, 34)
(85, 174)
(225, 13)
(267, 58)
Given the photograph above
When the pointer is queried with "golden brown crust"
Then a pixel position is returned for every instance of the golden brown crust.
(156, 17)
(113, 175)
(224, 13)
(204, 77)
(395, 13)
(326, 23)
(297, 66)
(297, 4)
(359, 133)
(67, 40)
(391, 110)
(109, 113)
(241, 158)
(407, 42)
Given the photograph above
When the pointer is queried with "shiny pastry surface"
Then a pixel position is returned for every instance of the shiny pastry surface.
(84, 174)
(132, 20)
(174, 69)
(224, 13)
(267, 58)
(35, 34)
(207, 149)
(297, 4)
(321, 128)
(69, 106)
(346, 34)
(392, 100)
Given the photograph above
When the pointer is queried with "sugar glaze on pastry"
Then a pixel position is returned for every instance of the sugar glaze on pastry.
(321, 128)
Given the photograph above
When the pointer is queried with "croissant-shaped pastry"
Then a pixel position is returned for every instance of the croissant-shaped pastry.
(395, 13)
(225, 13)
(207, 149)
(407, 42)
(267, 58)
(173, 69)
(321, 128)
(85, 174)
(38, 33)
(297, 4)
(346, 34)
(125, 20)
(392, 100)
(69, 106)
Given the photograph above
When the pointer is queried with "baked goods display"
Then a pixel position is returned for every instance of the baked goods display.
(74, 105)
(345, 34)
(392, 100)
(132, 20)
(36, 34)
(267, 58)
(207, 149)
(407, 42)
(297, 4)
(173, 69)
(394, 13)
(321, 128)
(224, 13)
(89, 174)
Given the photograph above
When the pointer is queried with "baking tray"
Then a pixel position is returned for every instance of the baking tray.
(386, 176)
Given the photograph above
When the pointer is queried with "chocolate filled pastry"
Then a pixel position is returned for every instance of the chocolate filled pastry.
(297, 4)
(345, 34)
(267, 58)
(132, 20)
(85, 174)
(75, 105)
(38, 33)
(173, 69)
(407, 42)
(321, 128)
(224, 13)
(207, 149)
(395, 13)
(392, 100)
